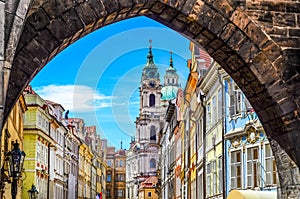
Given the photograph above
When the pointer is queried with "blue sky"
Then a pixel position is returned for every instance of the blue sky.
(97, 77)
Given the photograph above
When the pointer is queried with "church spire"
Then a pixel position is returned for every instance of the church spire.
(150, 55)
(171, 60)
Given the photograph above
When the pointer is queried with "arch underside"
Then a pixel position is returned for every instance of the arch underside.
(222, 28)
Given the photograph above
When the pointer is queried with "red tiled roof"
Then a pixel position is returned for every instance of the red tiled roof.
(150, 182)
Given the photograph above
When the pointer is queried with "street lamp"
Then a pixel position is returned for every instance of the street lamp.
(33, 192)
(15, 160)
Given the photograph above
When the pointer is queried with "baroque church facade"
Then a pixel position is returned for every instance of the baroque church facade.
(143, 155)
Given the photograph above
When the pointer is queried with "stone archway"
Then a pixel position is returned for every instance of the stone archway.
(257, 43)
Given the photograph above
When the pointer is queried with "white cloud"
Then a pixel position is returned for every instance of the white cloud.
(76, 98)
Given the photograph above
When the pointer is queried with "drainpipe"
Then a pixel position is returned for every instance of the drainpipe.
(202, 98)
(49, 145)
(48, 184)
(223, 132)
(196, 143)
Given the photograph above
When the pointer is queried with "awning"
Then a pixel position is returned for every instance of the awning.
(250, 194)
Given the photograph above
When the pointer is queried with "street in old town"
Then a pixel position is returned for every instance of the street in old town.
(150, 99)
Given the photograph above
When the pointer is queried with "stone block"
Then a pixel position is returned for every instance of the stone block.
(240, 19)
(177, 25)
(278, 91)
(208, 34)
(234, 62)
(168, 14)
(58, 29)
(261, 98)
(294, 32)
(217, 24)
(256, 34)
(277, 30)
(205, 16)
(125, 3)
(284, 19)
(23, 8)
(237, 40)
(247, 74)
(227, 50)
(82, 15)
(39, 19)
(292, 7)
(279, 6)
(12, 43)
(248, 51)
(188, 6)
(60, 7)
(110, 6)
(287, 105)
(202, 40)
(158, 8)
(288, 42)
(194, 28)
(263, 115)
(216, 44)
(271, 50)
(183, 18)
(225, 7)
(97, 7)
(2, 29)
(219, 56)
(73, 22)
(47, 40)
(228, 31)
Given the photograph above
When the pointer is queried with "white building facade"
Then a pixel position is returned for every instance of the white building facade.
(143, 156)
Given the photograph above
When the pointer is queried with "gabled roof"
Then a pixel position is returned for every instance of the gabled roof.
(150, 182)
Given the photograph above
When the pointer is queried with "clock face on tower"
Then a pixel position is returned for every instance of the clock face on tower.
(151, 74)
(152, 84)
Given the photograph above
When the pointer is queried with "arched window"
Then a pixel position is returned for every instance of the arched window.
(152, 100)
(153, 133)
(152, 163)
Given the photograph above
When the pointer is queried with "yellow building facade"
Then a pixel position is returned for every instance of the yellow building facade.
(37, 143)
(212, 87)
(84, 173)
(12, 132)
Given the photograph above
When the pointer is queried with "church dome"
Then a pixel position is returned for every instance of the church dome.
(169, 92)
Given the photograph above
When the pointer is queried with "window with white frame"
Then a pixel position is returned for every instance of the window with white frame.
(220, 104)
(38, 151)
(208, 116)
(270, 168)
(213, 111)
(208, 180)
(236, 99)
(236, 169)
(214, 173)
(220, 176)
(120, 193)
(252, 167)
(152, 163)
(199, 133)
(200, 188)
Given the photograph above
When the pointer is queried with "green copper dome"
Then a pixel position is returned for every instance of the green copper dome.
(169, 92)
